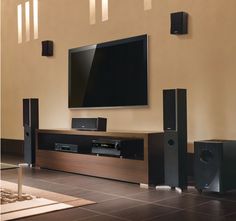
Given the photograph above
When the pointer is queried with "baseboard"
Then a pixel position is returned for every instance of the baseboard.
(12, 146)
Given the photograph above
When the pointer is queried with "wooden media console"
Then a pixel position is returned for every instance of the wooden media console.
(146, 166)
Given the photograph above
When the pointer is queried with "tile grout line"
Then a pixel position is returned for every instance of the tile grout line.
(211, 197)
(181, 208)
(162, 215)
(106, 214)
(86, 218)
(143, 204)
(230, 214)
(201, 213)
(119, 210)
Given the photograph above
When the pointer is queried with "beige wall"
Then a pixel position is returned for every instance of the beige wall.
(202, 61)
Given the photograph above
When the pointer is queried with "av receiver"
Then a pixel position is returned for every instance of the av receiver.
(125, 148)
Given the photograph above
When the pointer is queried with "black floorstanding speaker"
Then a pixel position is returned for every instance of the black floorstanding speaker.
(30, 123)
(175, 137)
(215, 165)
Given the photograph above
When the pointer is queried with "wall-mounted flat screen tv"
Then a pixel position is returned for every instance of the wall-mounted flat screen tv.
(111, 74)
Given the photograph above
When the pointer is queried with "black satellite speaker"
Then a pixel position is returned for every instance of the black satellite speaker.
(94, 124)
(47, 48)
(30, 123)
(175, 137)
(179, 23)
(215, 165)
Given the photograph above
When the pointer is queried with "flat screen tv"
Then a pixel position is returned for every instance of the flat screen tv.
(111, 74)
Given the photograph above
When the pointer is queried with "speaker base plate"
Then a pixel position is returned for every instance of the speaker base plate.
(144, 186)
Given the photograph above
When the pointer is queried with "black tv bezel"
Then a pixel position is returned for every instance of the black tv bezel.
(143, 37)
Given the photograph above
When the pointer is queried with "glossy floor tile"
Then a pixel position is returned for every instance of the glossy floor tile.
(144, 212)
(216, 208)
(186, 216)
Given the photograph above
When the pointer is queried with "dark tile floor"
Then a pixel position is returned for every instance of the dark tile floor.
(124, 201)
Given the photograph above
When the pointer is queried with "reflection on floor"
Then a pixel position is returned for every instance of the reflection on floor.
(124, 201)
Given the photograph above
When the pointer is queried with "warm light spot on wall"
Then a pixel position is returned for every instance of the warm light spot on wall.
(147, 5)
(92, 11)
(35, 16)
(27, 21)
(19, 23)
(104, 10)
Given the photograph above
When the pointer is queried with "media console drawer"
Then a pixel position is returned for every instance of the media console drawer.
(133, 157)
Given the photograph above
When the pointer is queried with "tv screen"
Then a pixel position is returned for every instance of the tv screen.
(111, 74)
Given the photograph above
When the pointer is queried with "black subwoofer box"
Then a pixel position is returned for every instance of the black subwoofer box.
(215, 165)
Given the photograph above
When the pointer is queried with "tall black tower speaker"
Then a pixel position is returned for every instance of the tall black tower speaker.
(30, 123)
(215, 165)
(175, 137)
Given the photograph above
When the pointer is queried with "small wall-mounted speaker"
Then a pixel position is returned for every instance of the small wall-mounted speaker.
(179, 23)
(47, 48)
